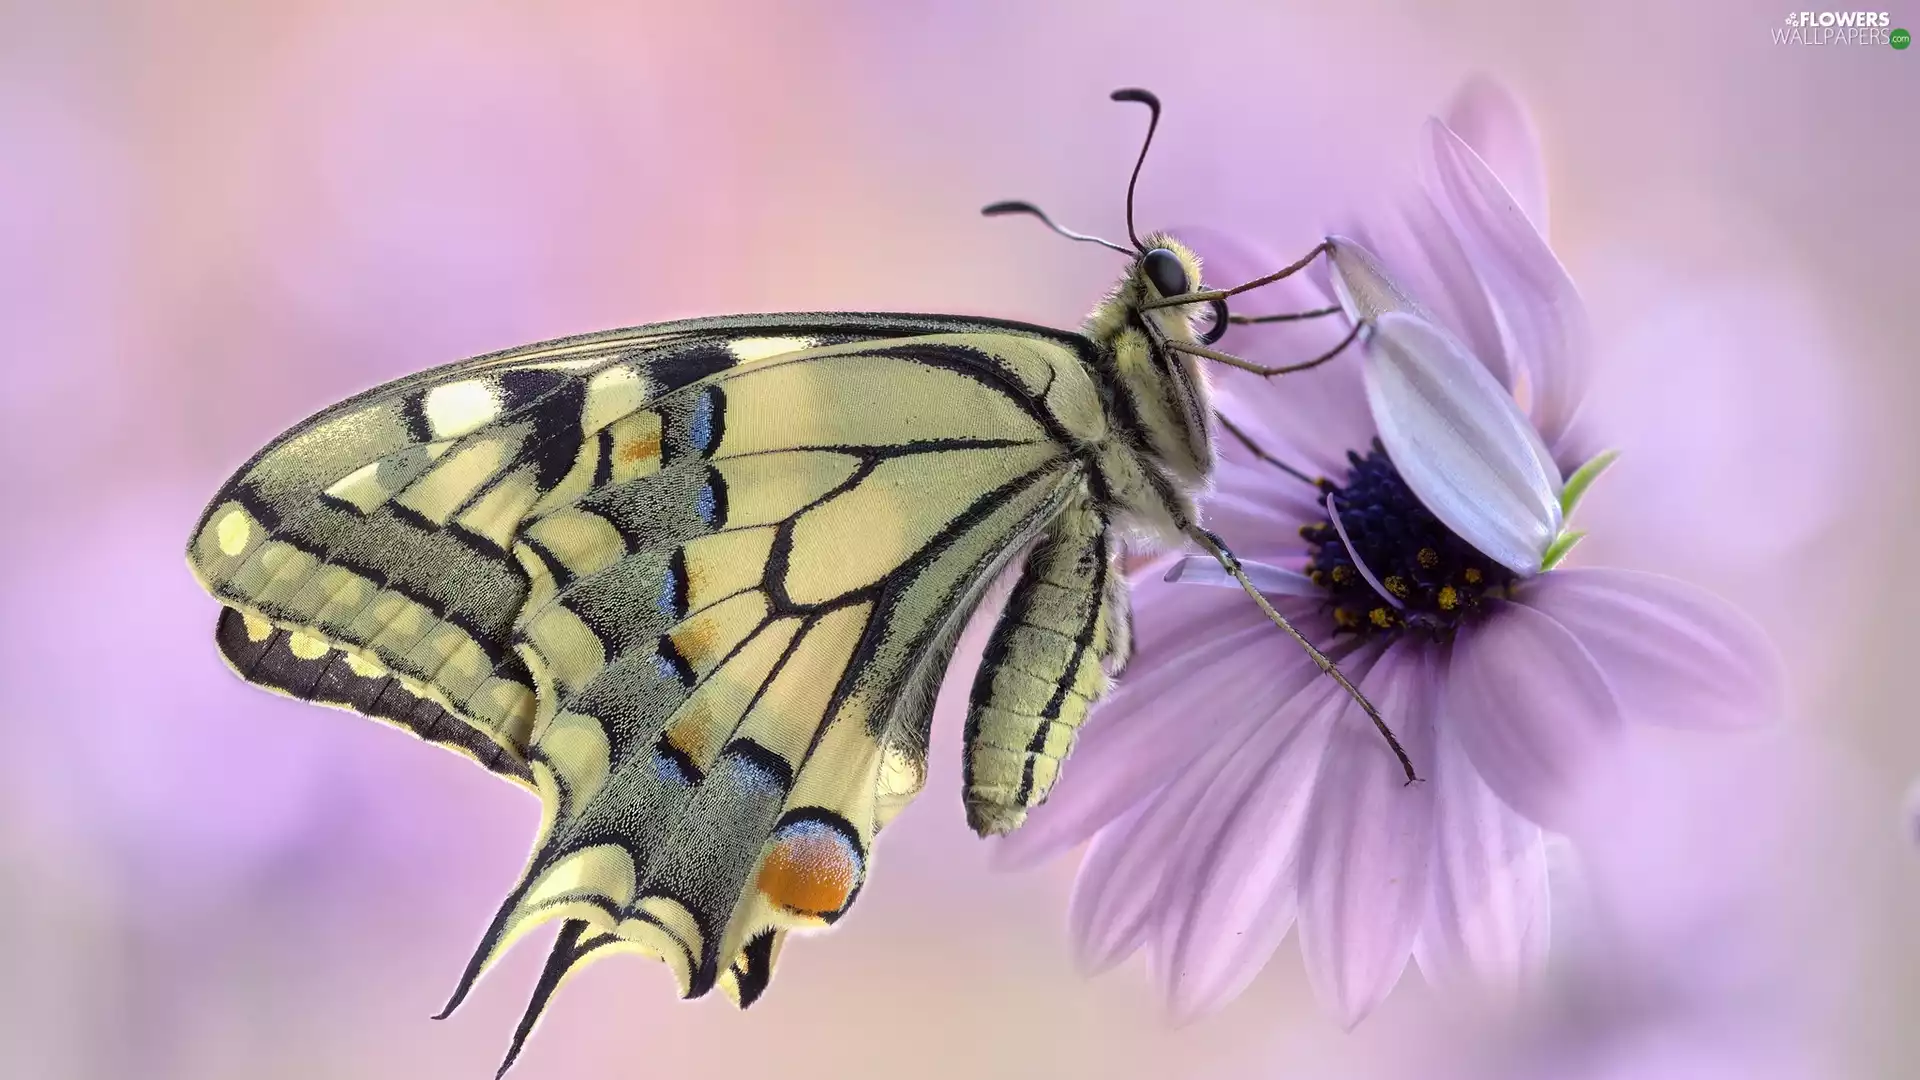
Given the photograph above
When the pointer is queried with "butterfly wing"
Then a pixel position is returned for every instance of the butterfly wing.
(299, 664)
(698, 583)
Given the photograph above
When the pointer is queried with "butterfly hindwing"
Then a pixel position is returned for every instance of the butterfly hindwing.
(741, 697)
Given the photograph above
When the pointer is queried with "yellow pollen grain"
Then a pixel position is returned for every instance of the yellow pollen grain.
(1318, 577)
(1472, 576)
(1428, 558)
(1396, 585)
(1342, 575)
(1345, 618)
(1448, 598)
(1381, 617)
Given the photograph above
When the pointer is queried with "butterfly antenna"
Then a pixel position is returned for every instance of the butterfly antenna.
(1147, 98)
(1018, 206)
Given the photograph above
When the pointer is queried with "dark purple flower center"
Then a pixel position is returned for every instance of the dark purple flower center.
(1438, 579)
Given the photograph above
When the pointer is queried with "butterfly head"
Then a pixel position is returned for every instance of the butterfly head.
(1146, 326)
(1160, 321)
(1165, 270)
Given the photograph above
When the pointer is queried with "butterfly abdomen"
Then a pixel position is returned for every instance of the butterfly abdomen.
(1042, 670)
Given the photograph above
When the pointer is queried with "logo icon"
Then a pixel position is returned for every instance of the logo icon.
(1839, 28)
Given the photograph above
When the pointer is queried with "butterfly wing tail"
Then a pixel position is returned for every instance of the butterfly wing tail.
(700, 857)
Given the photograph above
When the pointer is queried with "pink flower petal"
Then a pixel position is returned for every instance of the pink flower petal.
(1487, 916)
(1420, 251)
(1489, 118)
(1118, 879)
(1364, 857)
(1674, 653)
(1544, 316)
(1203, 660)
(1228, 897)
(1118, 892)
(1530, 706)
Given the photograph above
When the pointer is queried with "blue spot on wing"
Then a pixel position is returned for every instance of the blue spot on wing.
(670, 765)
(758, 779)
(756, 770)
(671, 589)
(702, 424)
(671, 666)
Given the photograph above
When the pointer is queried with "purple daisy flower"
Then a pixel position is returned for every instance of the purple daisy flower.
(1408, 509)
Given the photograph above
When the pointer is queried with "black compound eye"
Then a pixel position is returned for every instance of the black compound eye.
(1164, 270)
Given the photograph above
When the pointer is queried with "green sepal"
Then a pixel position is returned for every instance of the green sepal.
(1561, 545)
(1582, 479)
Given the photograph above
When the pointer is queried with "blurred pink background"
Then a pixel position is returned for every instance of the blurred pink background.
(217, 217)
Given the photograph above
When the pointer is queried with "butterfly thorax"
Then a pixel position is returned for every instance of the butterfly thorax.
(1160, 453)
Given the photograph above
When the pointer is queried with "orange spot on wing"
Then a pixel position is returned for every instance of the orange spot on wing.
(695, 641)
(693, 731)
(810, 872)
(638, 448)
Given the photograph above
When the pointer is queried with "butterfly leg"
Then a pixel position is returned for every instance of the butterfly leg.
(1265, 370)
(1260, 452)
(1043, 669)
(1231, 562)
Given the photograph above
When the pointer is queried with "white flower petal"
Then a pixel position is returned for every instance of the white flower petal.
(1360, 564)
(1272, 580)
(1364, 290)
(1436, 268)
(1460, 442)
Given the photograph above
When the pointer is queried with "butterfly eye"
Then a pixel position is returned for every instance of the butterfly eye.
(1164, 270)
